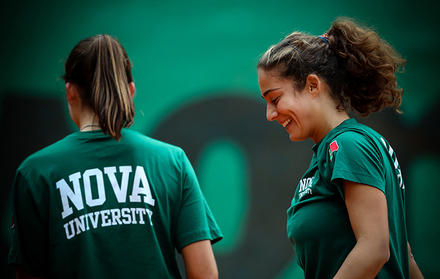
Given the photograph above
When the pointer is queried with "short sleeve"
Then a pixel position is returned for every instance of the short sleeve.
(357, 158)
(28, 229)
(196, 221)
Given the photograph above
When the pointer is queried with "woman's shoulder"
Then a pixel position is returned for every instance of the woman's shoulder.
(50, 154)
(356, 132)
(358, 140)
(142, 141)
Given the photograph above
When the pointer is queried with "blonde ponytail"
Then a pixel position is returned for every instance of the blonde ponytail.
(101, 68)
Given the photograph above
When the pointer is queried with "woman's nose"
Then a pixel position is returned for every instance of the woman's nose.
(271, 112)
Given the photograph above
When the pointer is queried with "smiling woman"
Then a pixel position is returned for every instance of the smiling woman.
(298, 112)
(347, 217)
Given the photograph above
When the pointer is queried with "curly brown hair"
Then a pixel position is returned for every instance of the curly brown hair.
(354, 61)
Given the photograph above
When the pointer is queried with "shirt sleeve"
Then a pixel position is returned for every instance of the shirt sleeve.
(28, 229)
(196, 221)
(357, 158)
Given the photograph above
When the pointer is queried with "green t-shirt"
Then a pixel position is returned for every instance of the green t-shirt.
(318, 224)
(89, 206)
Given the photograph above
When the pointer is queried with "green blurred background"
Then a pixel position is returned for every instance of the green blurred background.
(194, 69)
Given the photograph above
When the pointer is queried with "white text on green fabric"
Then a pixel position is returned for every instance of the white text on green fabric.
(81, 182)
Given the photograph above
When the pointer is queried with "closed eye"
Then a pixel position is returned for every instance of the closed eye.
(275, 100)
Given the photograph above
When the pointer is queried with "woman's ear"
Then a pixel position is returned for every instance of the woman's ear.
(313, 84)
(132, 88)
(74, 102)
(72, 93)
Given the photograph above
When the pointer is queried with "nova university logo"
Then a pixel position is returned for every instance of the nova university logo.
(73, 197)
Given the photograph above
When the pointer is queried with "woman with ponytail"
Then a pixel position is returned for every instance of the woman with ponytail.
(347, 216)
(106, 201)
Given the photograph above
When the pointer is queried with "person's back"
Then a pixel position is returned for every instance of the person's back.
(107, 202)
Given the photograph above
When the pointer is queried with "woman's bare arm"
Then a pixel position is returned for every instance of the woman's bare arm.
(199, 260)
(414, 270)
(367, 209)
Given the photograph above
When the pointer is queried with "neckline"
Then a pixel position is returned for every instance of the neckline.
(90, 134)
(333, 131)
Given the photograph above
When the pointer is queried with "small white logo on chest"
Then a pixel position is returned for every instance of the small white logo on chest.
(305, 186)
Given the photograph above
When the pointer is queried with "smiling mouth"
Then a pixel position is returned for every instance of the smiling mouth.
(287, 122)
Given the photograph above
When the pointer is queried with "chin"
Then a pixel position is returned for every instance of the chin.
(296, 138)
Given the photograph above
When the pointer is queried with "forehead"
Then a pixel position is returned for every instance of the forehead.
(271, 79)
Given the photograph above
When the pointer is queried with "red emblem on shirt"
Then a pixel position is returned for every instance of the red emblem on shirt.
(333, 147)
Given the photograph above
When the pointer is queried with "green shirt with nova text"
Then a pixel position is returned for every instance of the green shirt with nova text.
(318, 224)
(89, 206)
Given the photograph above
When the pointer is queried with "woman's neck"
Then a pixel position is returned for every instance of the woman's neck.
(328, 123)
(88, 121)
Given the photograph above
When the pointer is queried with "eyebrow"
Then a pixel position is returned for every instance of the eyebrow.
(268, 91)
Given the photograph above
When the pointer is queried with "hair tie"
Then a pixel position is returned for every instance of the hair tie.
(324, 37)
